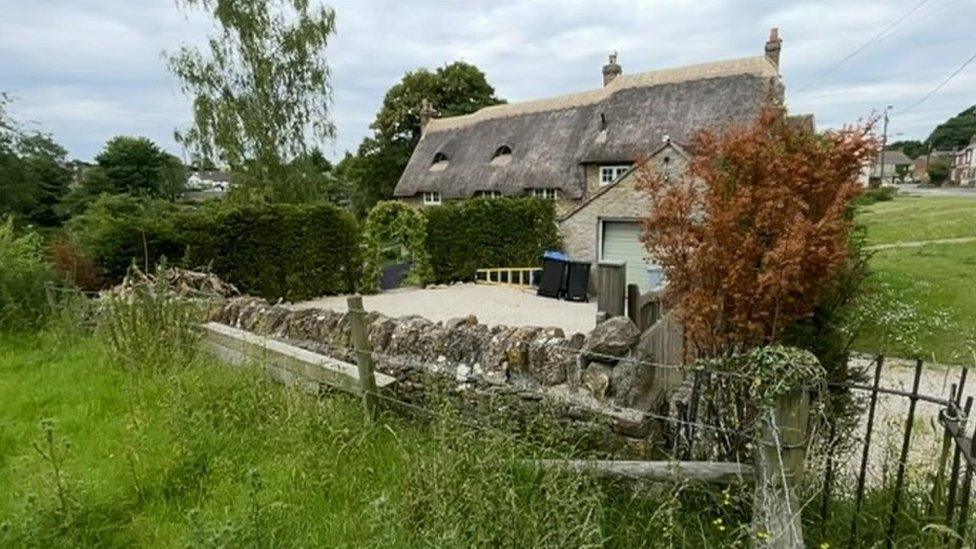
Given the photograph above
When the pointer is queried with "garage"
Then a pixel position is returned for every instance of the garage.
(620, 241)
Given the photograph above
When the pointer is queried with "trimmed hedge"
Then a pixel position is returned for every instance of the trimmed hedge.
(483, 233)
(117, 230)
(280, 250)
(273, 251)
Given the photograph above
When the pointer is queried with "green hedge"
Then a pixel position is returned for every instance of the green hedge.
(117, 230)
(278, 251)
(273, 251)
(483, 233)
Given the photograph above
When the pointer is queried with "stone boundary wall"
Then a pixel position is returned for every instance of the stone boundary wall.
(588, 380)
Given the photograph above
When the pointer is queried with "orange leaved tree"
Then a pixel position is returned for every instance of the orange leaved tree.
(752, 234)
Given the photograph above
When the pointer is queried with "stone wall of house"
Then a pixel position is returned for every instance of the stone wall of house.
(580, 229)
(622, 201)
(593, 381)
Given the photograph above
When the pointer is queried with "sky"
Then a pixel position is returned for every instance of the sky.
(87, 70)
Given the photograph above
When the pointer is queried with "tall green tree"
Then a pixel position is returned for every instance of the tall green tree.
(261, 92)
(372, 173)
(912, 148)
(18, 195)
(452, 90)
(320, 178)
(44, 165)
(172, 177)
(32, 173)
(127, 165)
(132, 165)
(956, 132)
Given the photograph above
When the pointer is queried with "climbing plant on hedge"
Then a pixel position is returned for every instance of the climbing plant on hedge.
(396, 222)
(463, 237)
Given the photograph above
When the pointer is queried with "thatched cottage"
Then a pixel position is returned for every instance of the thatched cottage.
(579, 149)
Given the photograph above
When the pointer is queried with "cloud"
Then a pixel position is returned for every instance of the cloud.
(87, 70)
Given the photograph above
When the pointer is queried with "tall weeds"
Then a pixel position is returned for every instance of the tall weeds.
(149, 327)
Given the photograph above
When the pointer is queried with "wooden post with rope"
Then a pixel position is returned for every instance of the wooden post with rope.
(777, 514)
(364, 355)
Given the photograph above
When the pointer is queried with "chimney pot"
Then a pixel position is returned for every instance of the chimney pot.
(773, 47)
(611, 70)
(427, 113)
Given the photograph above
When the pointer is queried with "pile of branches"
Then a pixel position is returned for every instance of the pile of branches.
(181, 282)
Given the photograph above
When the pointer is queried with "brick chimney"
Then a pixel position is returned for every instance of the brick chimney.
(611, 70)
(427, 113)
(773, 46)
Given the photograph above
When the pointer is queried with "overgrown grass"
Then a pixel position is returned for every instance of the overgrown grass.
(939, 282)
(200, 454)
(935, 284)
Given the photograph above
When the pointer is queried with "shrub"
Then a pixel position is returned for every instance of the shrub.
(149, 327)
(753, 235)
(117, 230)
(23, 276)
(279, 250)
(73, 265)
(873, 196)
(483, 233)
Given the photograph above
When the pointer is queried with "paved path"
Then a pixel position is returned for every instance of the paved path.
(917, 190)
(493, 305)
(920, 243)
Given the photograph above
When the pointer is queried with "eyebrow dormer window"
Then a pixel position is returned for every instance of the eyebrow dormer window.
(502, 156)
(440, 162)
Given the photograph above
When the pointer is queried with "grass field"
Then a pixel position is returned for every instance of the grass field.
(938, 280)
(203, 455)
(911, 218)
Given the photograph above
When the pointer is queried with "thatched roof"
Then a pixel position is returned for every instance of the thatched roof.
(551, 139)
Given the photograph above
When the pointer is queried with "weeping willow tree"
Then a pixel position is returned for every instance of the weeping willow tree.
(261, 91)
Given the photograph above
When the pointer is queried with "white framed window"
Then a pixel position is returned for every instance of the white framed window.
(432, 198)
(546, 194)
(609, 174)
(488, 194)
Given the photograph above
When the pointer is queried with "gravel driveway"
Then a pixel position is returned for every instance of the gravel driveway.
(492, 305)
(508, 306)
(892, 413)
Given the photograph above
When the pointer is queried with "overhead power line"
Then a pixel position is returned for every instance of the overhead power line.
(861, 48)
(941, 84)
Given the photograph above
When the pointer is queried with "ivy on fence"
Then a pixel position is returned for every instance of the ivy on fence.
(397, 223)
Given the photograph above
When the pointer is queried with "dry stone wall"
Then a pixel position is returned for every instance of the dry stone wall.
(589, 380)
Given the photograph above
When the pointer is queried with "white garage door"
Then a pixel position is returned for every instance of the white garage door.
(621, 242)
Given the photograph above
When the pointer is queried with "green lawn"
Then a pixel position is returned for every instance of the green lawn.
(908, 219)
(938, 280)
(204, 455)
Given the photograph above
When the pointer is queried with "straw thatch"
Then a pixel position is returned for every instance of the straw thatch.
(551, 140)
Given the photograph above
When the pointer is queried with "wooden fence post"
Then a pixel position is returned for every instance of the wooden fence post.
(364, 356)
(633, 306)
(611, 294)
(777, 515)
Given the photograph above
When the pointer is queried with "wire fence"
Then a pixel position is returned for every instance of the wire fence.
(904, 436)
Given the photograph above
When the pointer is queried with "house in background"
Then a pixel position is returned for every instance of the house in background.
(580, 150)
(964, 166)
(921, 166)
(79, 169)
(897, 167)
(207, 184)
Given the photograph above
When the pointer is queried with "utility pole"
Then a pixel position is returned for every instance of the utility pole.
(884, 143)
